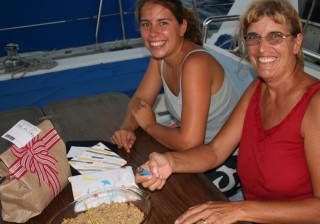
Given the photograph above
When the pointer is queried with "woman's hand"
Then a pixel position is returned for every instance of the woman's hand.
(212, 212)
(144, 115)
(124, 139)
(159, 168)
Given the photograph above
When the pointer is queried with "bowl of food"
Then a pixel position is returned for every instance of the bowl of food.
(126, 205)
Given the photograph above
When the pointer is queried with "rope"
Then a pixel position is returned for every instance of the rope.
(30, 65)
(33, 64)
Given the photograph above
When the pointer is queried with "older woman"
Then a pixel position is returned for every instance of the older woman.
(277, 124)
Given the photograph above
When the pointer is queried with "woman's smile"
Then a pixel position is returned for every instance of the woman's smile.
(264, 60)
(157, 43)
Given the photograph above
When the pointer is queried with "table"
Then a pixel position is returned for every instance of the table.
(96, 118)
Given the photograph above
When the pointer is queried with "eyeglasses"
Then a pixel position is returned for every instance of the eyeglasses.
(273, 38)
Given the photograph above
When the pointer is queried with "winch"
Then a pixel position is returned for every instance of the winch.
(12, 62)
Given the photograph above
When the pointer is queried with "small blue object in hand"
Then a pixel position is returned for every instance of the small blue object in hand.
(142, 171)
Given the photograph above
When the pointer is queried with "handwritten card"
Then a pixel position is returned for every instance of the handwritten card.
(87, 183)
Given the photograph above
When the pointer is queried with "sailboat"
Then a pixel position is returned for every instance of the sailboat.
(54, 51)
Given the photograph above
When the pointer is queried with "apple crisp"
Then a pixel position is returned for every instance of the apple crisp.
(114, 213)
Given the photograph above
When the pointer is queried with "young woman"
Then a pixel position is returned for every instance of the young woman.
(197, 91)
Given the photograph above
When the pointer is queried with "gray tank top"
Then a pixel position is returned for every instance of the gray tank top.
(221, 105)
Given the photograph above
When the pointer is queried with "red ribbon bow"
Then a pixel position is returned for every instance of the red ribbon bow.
(35, 158)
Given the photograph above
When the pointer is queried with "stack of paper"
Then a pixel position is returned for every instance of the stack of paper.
(94, 159)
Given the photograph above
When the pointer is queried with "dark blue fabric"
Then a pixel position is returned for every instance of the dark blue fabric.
(39, 90)
(64, 24)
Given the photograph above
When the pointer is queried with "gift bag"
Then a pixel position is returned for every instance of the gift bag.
(35, 174)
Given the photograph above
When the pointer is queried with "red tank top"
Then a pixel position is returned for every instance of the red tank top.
(271, 163)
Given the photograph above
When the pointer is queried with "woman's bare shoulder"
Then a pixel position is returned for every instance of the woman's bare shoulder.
(203, 61)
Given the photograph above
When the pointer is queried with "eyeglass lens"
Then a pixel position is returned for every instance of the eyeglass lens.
(272, 38)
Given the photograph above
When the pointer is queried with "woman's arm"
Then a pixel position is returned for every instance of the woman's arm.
(148, 90)
(298, 211)
(202, 76)
(221, 146)
(200, 158)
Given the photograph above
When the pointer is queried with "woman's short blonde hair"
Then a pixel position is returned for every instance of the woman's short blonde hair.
(281, 11)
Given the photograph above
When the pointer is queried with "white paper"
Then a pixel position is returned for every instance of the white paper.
(87, 183)
(21, 133)
(96, 158)
(76, 150)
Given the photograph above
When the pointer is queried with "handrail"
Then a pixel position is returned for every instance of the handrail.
(311, 54)
(212, 19)
(122, 25)
(98, 25)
